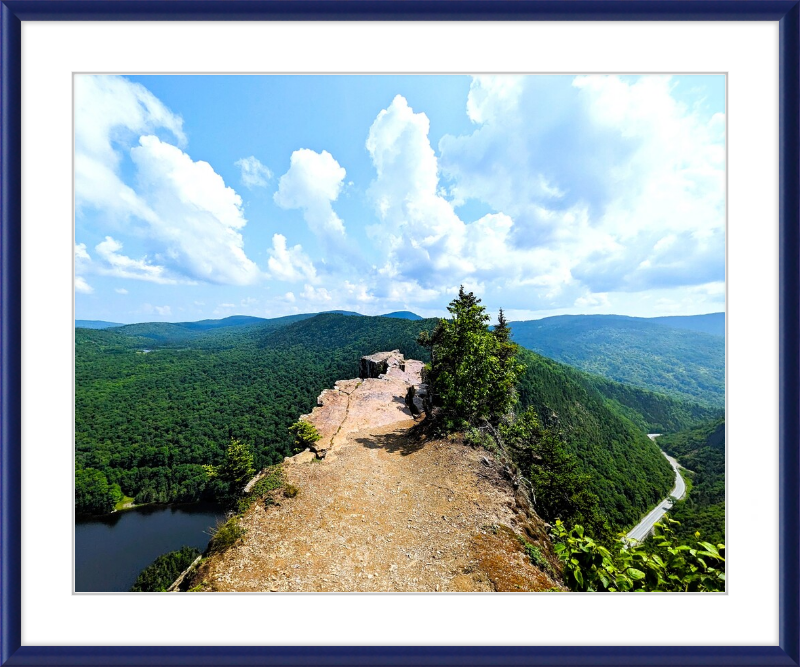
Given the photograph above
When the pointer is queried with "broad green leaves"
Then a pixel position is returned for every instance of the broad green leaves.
(660, 565)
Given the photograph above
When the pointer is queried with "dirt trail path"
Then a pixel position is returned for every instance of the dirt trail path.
(385, 511)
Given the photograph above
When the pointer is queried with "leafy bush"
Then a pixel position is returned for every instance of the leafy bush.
(476, 437)
(536, 556)
(159, 575)
(290, 491)
(661, 564)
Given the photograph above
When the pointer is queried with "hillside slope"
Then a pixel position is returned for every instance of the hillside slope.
(628, 473)
(386, 510)
(701, 451)
(688, 365)
(649, 411)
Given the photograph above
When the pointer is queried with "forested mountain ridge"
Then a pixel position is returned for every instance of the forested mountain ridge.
(626, 471)
(711, 323)
(687, 365)
(150, 421)
(701, 450)
(648, 410)
(187, 333)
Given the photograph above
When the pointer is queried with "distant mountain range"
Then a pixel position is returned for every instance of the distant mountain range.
(403, 315)
(95, 324)
(713, 323)
(666, 355)
(683, 357)
(238, 320)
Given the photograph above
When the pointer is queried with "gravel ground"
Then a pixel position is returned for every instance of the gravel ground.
(386, 510)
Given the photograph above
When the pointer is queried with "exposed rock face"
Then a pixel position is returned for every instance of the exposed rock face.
(415, 398)
(377, 398)
(375, 365)
(306, 456)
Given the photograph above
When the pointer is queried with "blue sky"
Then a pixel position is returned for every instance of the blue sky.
(207, 196)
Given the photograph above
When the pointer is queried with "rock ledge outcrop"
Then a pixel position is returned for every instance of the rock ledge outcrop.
(379, 397)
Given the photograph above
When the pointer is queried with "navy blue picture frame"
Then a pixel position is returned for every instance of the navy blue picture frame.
(13, 12)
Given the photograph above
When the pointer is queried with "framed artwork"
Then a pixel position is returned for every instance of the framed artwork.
(341, 169)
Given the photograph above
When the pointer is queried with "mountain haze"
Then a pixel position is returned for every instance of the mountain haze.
(712, 323)
(687, 365)
(95, 324)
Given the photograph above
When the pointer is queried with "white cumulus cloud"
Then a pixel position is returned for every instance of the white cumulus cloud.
(313, 181)
(289, 264)
(189, 218)
(198, 215)
(110, 114)
(82, 286)
(122, 266)
(254, 174)
(611, 183)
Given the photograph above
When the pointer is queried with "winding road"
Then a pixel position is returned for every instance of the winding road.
(642, 529)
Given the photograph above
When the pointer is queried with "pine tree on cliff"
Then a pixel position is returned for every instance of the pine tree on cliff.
(473, 370)
(236, 470)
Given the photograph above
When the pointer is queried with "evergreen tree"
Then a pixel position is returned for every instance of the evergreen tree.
(501, 330)
(305, 434)
(237, 468)
(473, 370)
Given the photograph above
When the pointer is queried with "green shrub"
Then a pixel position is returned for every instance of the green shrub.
(226, 535)
(536, 556)
(159, 575)
(290, 491)
(477, 437)
(660, 564)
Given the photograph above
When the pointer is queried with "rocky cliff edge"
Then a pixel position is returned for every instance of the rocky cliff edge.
(387, 508)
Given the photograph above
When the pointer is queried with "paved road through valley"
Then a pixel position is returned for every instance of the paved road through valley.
(643, 528)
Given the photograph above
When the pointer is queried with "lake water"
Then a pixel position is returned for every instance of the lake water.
(111, 551)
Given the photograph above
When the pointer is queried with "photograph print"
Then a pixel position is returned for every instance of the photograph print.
(400, 333)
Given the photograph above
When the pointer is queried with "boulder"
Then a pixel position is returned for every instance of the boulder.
(306, 456)
(375, 365)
